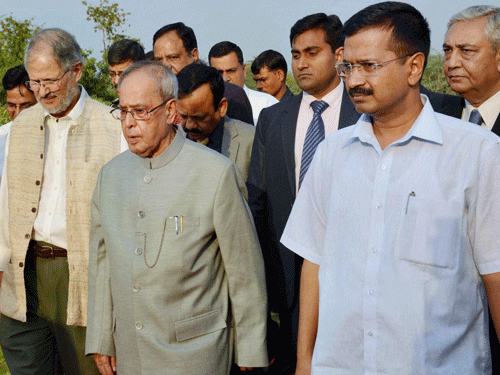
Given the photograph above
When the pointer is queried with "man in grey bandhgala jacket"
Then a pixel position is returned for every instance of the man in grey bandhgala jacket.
(176, 280)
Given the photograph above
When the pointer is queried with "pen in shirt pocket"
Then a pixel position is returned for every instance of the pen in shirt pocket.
(412, 194)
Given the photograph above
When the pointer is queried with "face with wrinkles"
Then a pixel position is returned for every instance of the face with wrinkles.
(471, 66)
(59, 98)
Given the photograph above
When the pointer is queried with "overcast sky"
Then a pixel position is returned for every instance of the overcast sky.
(255, 25)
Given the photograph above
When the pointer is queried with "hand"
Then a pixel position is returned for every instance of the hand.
(105, 364)
(246, 368)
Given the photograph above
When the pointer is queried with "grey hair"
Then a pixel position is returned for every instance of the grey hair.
(164, 78)
(65, 49)
(492, 28)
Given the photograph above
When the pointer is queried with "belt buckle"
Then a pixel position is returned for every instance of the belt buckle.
(51, 251)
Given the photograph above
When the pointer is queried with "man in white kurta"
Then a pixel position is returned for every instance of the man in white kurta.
(176, 274)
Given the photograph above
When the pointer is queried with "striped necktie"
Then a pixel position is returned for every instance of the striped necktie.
(315, 134)
(475, 117)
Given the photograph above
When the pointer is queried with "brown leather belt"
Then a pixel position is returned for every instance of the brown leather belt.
(46, 250)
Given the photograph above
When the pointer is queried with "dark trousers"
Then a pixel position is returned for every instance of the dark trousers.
(44, 343)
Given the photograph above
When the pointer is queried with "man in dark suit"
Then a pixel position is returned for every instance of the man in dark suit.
(175, 45)
(276, 166)
(472, 69)
(472, 64)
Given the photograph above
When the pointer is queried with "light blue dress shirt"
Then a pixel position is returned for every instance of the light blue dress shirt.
(402, 236)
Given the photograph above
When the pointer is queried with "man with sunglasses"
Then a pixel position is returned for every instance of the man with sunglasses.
(397, 220)
(174, 256)
(54, 152)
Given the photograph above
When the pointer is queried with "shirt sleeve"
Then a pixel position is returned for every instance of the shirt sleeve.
(244, 266)
(100, 304)
(484, 212)
(5, 249)
(305, 229)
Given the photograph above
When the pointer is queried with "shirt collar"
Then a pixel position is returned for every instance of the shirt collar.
(166, 156)
(489, 110)
(333, 98)
(425, 128)
(76, 111)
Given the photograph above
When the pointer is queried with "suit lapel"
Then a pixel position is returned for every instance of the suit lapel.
(230, 146)
(288, 125)
(496, 126)
(348, 114)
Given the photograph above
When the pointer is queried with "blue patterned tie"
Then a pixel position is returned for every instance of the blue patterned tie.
(475, 117)
(315, 134)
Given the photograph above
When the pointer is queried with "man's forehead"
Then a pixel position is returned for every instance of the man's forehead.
(367, 44)
(468, 32)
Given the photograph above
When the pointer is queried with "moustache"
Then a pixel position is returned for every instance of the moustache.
(49, 96)
(360, 90)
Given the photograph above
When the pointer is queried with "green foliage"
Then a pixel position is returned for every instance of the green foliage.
(433, 77)
(3, 366)
(95, 78)
(14, 36)
(109, 19)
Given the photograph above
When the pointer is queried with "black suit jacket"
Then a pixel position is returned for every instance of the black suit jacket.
(271, 190)
(495, 129)
(450, 105)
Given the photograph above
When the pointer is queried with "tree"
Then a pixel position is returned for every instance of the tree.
(109, 19)
(14, 36)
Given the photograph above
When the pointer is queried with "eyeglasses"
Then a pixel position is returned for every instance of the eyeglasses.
(48, 84)
(366, 69)
(140, 114)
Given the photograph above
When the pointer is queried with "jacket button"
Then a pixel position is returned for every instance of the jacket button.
(27, 235)
(37, 182)
(138, 251)
(138, 325)
(41, 156)
(141, 214)
(33, 209)
(136, 287)
(21, 264)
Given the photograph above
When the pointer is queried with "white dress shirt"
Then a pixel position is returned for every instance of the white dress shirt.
(4, 132)
(330, 116)
(489, 111)
(401, 236)
(258, 101)
(50, 222)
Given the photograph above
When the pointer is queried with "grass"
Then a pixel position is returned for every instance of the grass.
(3, 366)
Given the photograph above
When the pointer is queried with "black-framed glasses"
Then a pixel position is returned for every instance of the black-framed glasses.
(366, 69)
(140, 114)
(48, 84)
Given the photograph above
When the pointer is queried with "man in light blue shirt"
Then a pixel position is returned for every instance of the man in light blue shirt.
(398, 229)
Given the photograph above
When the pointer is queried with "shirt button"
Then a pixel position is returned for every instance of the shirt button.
(141, 214)
(370, 334)
(138, 325)
(378, 206)
(370, 292)
(136, 288)
(383, 167)
(147, 179)
(138, 251)
(374, 250)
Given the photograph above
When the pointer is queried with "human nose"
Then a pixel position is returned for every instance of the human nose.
(302, 62)
(42, 91)
(115, 79)
(452, 60)
(225, 77)
(129, 120)
(355, 78)
(17, 110)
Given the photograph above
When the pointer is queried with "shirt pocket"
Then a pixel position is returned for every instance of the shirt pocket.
(199, 325)
(430, 232)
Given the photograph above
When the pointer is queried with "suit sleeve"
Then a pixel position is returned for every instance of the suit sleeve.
(100, 305)
(244, 267)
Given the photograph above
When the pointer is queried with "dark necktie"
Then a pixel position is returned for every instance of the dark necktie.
(315, 134)
(475, 117)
